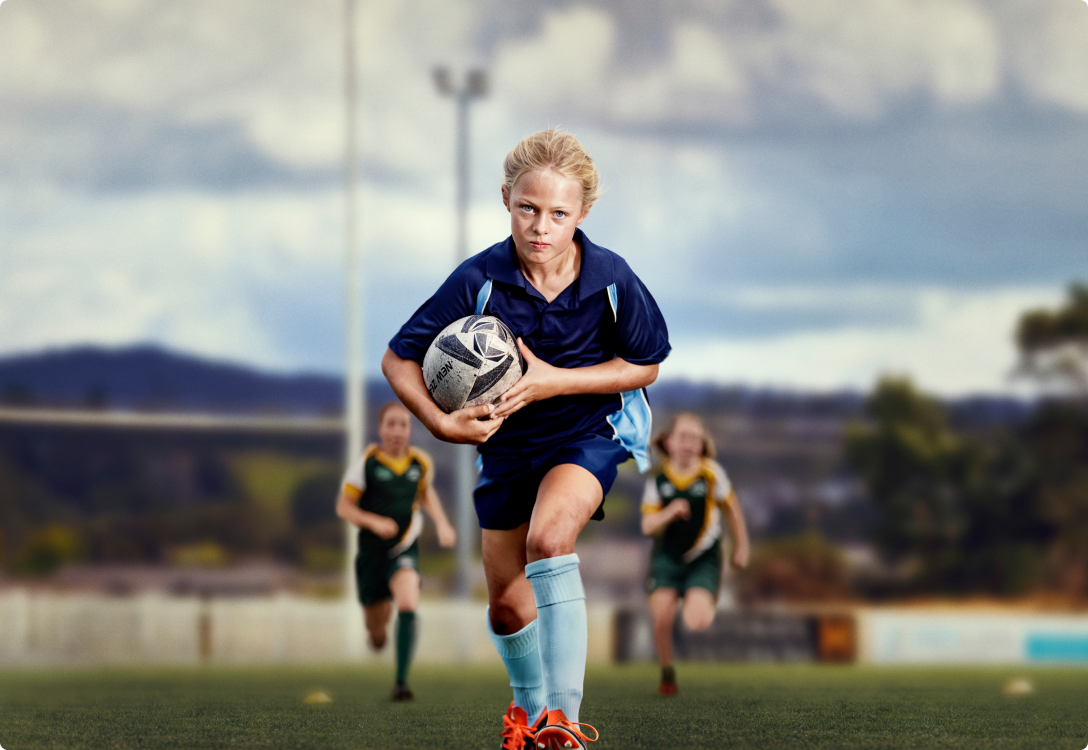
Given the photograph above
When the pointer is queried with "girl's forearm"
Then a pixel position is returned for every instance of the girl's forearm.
(615, 376)
(349, 510)
(433, 507)
(734, 519)
(654, 523)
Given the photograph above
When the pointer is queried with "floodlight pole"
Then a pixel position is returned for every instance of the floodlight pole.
(474, 86)
(354, 402)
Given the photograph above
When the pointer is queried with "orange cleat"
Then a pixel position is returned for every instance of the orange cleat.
(560, 734)
(516, 733)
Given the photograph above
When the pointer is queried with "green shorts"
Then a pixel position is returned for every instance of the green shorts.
(705, 571)
(373, 571)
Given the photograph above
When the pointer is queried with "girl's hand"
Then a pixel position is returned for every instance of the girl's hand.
(466, 426)
(384, 527)
(447, 537)
(539, 382)
(680, 509)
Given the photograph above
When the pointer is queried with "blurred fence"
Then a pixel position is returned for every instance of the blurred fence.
(872, 635)
(906, 636)
(47, 628)
(38, 628)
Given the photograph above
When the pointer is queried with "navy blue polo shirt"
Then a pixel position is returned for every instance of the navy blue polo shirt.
(579, 328)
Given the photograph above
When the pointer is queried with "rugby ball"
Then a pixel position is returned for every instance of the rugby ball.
(473, 361)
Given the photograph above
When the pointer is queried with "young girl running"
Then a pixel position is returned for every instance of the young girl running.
(682, 508)
(592, 337)
(382, 493)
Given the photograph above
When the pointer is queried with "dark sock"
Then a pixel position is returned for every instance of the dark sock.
(406, 641)
(668, 674)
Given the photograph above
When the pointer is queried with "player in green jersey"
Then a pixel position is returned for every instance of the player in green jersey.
(686, 496)
(382, 493)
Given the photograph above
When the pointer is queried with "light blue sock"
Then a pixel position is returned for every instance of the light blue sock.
(561, 612)
(521, 656)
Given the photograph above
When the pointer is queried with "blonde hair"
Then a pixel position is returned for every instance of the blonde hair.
(556, 150)
(708, 442)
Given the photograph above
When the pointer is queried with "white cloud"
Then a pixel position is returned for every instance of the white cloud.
(960, 343)
(567, 63)
(856, 59)
(1048, 47)
(273, 68)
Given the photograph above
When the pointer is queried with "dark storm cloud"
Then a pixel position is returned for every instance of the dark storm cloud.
(969, 201)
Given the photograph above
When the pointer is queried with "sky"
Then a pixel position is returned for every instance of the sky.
(816, 193)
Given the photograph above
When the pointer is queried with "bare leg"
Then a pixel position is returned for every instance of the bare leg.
(699, 609)
(663, 603)
(376, 617)
(511, 605)
(567, 498)
(405, 587)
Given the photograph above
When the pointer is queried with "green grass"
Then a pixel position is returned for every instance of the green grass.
(720, 706)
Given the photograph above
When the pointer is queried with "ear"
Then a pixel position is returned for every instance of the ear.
(585, 213)
(505, 195)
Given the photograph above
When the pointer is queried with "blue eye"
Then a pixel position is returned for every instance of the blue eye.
(560, 214)
(527, 208)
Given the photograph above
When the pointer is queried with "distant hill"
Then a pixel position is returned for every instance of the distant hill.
(150, 377)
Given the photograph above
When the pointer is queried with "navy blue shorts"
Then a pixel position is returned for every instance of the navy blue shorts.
(506, 502)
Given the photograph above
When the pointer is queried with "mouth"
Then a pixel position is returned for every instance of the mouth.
(539, 245)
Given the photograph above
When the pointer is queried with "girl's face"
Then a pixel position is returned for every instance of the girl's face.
(684, 443)
(395, 430)
(545, 208)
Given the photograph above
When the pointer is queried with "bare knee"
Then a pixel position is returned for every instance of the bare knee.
(377, 637)
(508, 617)
(405, 589)
(541, 544)
(698, 611)
(698, 621)
(376, 618)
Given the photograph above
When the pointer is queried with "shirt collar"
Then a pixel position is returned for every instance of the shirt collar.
(595, 274)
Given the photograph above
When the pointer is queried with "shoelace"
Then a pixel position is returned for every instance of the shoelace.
(572, 726)
(513, 729)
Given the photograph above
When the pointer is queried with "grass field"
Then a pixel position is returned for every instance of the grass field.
(720, 706)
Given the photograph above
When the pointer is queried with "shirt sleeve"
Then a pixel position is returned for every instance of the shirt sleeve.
(354, 480)
(455, 299)
(651, 500)
(427, 478)
(642, 337)
(723, 488)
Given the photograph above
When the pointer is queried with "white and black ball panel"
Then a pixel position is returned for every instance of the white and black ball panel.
(473, 361)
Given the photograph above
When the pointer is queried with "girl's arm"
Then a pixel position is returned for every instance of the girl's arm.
(542, 381)
(405, 376)
(654, 523)
(447, 537)
(734, 518)
(347, 507)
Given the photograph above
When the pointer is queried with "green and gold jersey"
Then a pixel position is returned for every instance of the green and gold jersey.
(390, 487)
(707, 490)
